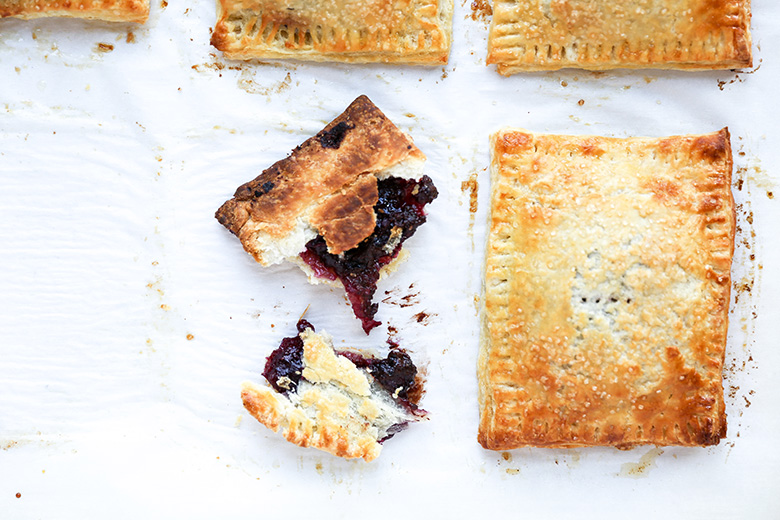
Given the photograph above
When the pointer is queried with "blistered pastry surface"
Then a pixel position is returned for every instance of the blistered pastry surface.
(607, 286)
(327, 183)
(405, 31)
(595, 34)
(108, 10)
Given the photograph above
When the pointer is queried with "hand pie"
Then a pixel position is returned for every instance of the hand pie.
(109, 10)
(607, 283)
(390, 31)
(341, 402)
(608, 34)
(341, 206)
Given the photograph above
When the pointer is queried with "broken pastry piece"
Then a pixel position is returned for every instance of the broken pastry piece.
(386, 31)
(108, 10)
(340, 206)
(607, 284)
(532, 35)
(341, 402)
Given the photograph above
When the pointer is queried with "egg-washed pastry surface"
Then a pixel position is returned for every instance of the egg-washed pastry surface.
(345, 403)
(340, 206)
(607, 282)
(530, 35)
(108, 10)
(393, 31)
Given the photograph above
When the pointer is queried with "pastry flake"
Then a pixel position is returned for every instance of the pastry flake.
(391, 31)
(108, 10)
(527, 35)
(607, 282)
(341, 402)
(340, 206)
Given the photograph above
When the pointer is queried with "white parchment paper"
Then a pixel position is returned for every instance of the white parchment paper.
(129, 316)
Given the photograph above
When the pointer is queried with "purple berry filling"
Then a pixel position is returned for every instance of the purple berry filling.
(399, 212)
(396, 373)
(285, 364)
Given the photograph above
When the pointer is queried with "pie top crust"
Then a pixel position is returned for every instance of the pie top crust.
(607, 282)
(109, 10)
(404, 31)
(530, 35)
(328, 185)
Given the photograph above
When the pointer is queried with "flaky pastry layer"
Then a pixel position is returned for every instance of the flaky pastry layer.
(528, 35)
(109, 10)
(327, 186)
(391, 31)
(607, 282)
(336, 408)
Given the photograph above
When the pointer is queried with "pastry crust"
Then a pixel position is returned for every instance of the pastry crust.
(391, 31)
(607, 282)
(109, 10)
(336, 408)
(528, 35)
(326, 186)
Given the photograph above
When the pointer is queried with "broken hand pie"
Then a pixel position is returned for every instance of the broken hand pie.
(530, 35)
(108, 10)
(391, 31)
(607, 284)
(340, 206)
(341, 402)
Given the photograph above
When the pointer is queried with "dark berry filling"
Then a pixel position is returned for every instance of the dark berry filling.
(396, 373)
(284, 366)
(399, 212)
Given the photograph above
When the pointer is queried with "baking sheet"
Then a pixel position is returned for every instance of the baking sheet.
(129, 316)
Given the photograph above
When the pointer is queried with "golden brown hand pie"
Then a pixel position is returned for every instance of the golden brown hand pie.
(607, 34)
(397, 31)
(607, 285)
(340, 206)
(109, 10)
(344, 403)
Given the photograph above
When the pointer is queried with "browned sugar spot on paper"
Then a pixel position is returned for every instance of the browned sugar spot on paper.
(739, 363)
(737, 78)
(18, 495)
(392, 298)
(104, 47)
(642, 468)
(481, 10)
(422, 317)
(163, 4)
(130, 37)
(471, 186)
(190, 337)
